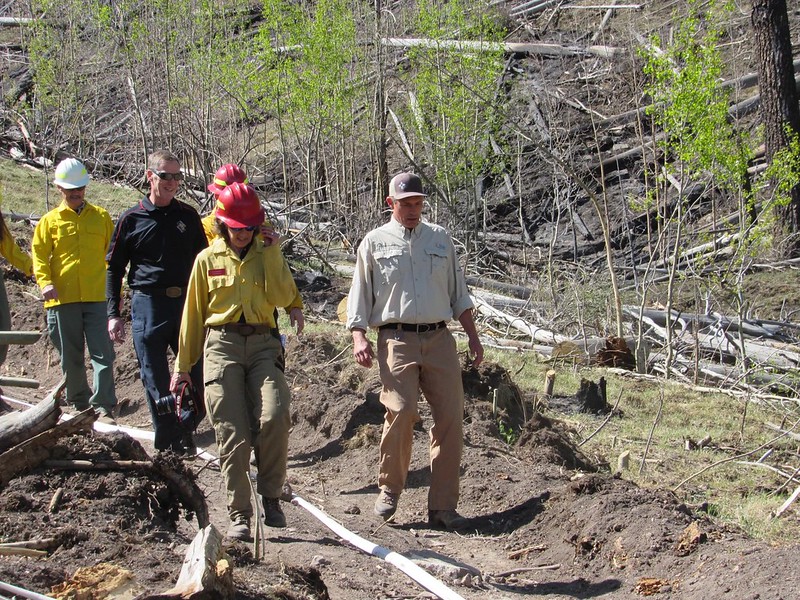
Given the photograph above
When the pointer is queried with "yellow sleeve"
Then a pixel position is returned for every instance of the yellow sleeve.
(208, 227)
(42, 249)
(192, 333)
(18, 258)
(296, 303)
(281, 289)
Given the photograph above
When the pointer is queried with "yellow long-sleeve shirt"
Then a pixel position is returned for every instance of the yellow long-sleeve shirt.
(15, 255)
(69, 252)
(209, 222)
(222, 287)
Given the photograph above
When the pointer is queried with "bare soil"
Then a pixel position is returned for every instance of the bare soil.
(545, 520)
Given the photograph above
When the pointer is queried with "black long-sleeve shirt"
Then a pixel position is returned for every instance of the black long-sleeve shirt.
(160, 244)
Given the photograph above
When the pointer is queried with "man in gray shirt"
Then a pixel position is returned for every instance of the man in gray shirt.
(408, 284)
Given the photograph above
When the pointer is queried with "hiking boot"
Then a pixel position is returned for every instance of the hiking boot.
(386, 504)
(446, 519)
(273, 513)
(240, 529)
(105, 416)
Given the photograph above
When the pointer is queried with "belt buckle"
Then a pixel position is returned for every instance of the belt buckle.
(246, 329)
(173, 292)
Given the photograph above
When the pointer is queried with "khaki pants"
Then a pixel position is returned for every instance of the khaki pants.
(248, 404)
(410, 362)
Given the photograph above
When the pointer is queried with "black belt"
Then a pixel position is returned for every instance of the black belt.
(170, 292)
(415, 327)
(245, 329)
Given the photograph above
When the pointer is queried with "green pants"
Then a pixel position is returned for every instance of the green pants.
(248, 404)
(69, 325)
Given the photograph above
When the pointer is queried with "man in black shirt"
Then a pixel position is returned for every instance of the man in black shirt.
(157, 242)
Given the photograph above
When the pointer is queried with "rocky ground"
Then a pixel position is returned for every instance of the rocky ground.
(544, 520)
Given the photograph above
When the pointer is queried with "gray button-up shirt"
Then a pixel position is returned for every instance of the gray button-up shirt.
(406, 276)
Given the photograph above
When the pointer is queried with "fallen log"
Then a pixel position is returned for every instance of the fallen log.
(206, 571)
(32, 452)
(17, 427)
(537, 334)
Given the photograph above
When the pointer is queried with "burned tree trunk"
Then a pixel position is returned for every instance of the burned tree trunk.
(778, 100)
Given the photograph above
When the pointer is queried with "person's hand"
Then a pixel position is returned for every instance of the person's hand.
(476, 350)
(177, 378)
(269, 235)
(116, 329)
(362, 348)
(297, 320)
(49, 292)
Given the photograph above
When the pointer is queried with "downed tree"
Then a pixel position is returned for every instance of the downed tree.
(32, 452)
(15, 427)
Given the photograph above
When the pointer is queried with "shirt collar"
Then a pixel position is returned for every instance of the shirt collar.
(64, 206)
(397, 228)
(150, 207)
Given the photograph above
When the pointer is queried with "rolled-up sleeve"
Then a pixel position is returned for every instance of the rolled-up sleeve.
(360, 298)
(460, 299)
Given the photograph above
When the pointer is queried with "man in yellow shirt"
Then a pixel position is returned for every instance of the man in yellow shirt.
(68, 247)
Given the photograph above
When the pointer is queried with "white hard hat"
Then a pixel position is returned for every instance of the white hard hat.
(71, 174)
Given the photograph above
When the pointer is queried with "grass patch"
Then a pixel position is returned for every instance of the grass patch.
(29, 192)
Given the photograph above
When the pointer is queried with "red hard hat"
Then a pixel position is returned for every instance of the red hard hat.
(238, 206)
(226, 175)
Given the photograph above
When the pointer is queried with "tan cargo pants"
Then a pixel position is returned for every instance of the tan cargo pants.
(248, 404)
(410, 362)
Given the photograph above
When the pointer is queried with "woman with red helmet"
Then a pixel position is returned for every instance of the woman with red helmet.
(234, 288)
(227, 174)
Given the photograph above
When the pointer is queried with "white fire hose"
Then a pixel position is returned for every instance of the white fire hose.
(416, 573)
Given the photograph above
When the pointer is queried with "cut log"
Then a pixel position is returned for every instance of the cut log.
(17, 427)
(206, 571)
(549, 382)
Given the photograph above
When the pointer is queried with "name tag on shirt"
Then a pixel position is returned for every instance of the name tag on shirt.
(215, 272)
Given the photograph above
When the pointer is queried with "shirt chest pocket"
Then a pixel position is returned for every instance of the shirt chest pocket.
(63, 230)
(438, 260)
(221, 283)
(389, 261)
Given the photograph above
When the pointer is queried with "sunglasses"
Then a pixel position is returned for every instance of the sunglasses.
(169, 176)
(251, 229)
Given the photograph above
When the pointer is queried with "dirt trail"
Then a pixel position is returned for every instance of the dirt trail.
(544, 520)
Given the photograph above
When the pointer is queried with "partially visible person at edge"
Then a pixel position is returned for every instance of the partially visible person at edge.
(157, 241)
(408, 284)
(68, 248)
(18, 259)
(229, 317)
(232, 173)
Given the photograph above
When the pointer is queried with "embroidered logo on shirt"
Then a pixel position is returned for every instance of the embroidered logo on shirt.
(215, 272)
(181, 226)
